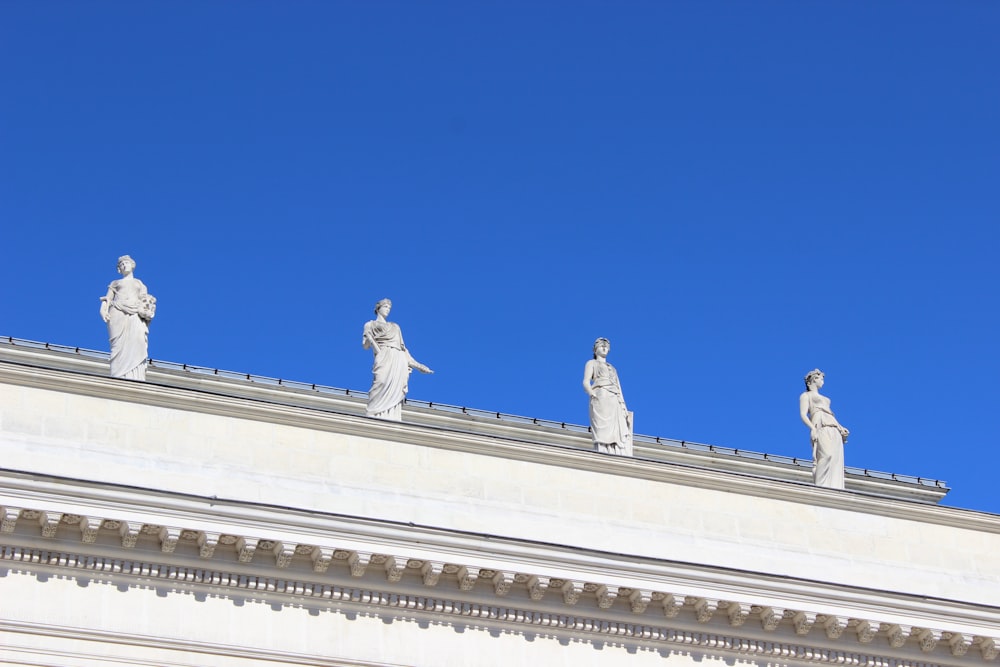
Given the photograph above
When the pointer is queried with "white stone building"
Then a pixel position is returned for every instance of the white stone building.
(215, 519)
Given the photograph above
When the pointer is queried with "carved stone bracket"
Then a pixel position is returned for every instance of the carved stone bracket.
(803, 622)
(207, 543)
(866, 631)
(358, 561)
(321, 559)
(537, 587)
(926, 639)
(987, 646)
(832, 626)
(671, 605)
(246, 547)
(168, 539)
(896, 634)
(431, 572)
(571, 592)
(737, 613)
(639, 600)
(129, 531)
(49, 521)
(770, 618)
(8, 519)
(88, 529)
(393, 570)
(704, 609)
(283, 554)
(606, 596)
(957, 643)
(501, 583)
(466, 578)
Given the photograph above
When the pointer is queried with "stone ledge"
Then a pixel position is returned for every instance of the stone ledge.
(915, 647)
(84, 520)
(492, 446)
(298, 395)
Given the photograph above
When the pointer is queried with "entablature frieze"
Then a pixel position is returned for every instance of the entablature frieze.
(584, 623)
(577, 591)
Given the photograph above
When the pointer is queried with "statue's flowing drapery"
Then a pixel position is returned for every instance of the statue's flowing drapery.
(609, 420)
(390, 372)
(127, 331)
(828, 446)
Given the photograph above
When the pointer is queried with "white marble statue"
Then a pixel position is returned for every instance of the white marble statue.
(828, 436)
(391, 370)
(610, 420)
(127, 309)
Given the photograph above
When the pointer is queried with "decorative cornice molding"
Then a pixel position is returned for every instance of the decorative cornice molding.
(220, 521)
(581, 624)
(266, 541)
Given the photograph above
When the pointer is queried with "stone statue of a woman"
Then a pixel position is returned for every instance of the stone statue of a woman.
(610, 420)
(127, 309)
(827, 435)
(391, 370)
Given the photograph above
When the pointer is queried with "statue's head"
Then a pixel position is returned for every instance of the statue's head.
(599, 342)
(125, 259)
(812, 376)
(383, 302)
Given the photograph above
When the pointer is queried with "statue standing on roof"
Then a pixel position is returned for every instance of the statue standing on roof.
(127, 309)
(827, 435)
(610, 420)
(391, 370)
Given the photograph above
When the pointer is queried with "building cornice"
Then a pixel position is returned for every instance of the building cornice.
(259, 549)
(903, 646)
(455, 439)
(483, 422)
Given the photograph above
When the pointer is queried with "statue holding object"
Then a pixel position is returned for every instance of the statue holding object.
(391, 369)
(127, 309)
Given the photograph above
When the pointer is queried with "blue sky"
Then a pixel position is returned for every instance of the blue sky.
(733, 192)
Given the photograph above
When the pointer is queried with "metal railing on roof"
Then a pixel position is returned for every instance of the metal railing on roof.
(712, 450)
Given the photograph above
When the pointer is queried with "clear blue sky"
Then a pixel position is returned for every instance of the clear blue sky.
(733, 192)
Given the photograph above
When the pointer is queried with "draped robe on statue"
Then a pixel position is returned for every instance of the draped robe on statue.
(127, 331)
(390, 372)
(609, 419)
(828, 447)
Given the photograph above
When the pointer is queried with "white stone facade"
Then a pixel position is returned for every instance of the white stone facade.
(203, 520)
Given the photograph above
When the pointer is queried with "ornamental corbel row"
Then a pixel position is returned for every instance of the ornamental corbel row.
(684, 640)
(394, 567)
